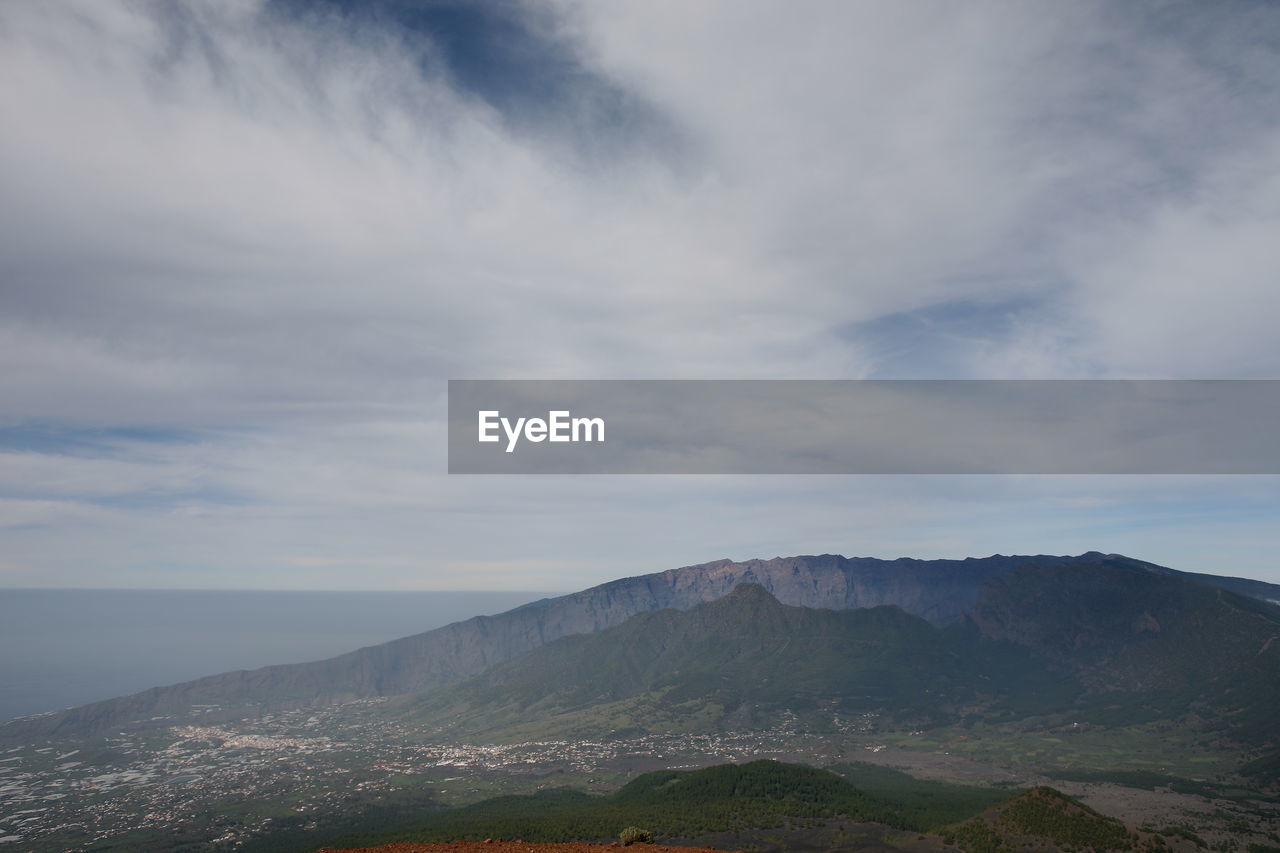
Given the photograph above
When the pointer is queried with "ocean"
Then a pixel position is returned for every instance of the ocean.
(60, 648)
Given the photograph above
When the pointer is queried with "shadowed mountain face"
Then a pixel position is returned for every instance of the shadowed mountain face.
(1089, 612)
(940, 592)
(1150, 645)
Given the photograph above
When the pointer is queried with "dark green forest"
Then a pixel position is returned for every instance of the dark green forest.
(673, 804)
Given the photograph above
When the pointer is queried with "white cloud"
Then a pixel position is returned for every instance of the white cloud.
(1190, 289)
(286, 235)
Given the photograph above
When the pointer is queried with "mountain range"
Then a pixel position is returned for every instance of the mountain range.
(1108, 644)
(1003, 634)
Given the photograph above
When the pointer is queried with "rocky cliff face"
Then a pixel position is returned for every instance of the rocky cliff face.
(940, 591)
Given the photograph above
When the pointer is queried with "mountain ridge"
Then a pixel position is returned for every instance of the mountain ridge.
(1094, 648)
(939, 591)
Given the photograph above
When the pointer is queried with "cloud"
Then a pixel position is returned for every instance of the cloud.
(277, 229)
(1189, 288)
(234, 212)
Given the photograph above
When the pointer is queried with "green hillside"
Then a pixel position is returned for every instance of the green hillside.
(737, 663)
(1045, 819)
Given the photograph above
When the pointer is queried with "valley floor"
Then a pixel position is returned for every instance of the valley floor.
(1218, 820)
(221, 786)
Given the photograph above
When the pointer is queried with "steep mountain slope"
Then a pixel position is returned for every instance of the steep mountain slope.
(940, 591)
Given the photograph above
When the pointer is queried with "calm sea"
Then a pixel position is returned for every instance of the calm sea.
(68, 647)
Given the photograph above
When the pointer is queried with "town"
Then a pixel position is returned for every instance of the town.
(225, 783)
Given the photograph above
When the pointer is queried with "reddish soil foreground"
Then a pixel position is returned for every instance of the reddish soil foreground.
(514, 847)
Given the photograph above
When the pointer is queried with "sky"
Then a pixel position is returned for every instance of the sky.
(244, 245)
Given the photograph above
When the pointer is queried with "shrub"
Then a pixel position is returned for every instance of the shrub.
(633, 834)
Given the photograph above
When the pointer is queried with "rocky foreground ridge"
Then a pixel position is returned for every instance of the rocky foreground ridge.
(511, 847)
